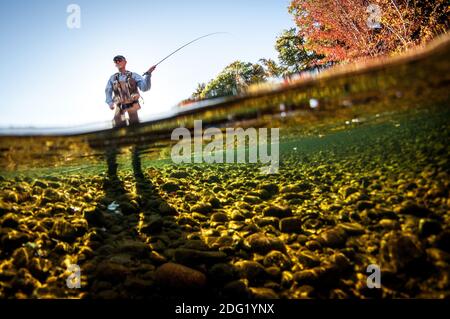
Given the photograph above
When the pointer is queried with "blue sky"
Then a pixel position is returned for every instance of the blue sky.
(55, 76)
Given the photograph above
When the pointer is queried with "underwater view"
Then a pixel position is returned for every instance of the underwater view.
(358, 206)
(211, 159)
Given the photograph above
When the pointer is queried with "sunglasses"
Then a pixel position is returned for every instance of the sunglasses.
(118, 60)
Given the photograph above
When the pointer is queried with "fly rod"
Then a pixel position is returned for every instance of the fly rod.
(204, 36)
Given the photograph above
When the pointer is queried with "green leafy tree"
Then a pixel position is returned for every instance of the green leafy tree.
(233, 79)
(293, 55)
(198, 91)
(271, 68)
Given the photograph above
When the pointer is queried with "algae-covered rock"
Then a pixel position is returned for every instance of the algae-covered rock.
(174, 277)
(263, 244)
(277, 211)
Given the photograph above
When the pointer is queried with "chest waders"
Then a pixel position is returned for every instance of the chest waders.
(125, 92)
(126, 96)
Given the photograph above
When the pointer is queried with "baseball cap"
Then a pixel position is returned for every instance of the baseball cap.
(118, 58)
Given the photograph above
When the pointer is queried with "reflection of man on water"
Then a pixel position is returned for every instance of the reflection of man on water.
(124, 84)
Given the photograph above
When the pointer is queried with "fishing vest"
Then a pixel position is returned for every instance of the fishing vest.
(125, 92)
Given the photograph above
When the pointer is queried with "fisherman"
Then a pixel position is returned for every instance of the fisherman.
(124, 84)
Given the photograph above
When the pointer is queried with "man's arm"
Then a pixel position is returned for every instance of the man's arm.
(108, 93)
(143, 83)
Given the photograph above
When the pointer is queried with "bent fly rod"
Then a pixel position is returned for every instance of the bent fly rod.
(185, 45)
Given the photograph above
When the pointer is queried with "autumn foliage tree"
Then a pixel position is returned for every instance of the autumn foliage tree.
(345, 30)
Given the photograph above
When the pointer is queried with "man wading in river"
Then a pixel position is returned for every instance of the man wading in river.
(124, 84)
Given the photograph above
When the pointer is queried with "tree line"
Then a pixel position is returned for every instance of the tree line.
(335, 31)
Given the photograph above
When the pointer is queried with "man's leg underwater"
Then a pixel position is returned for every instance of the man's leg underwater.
(136, 161)
(111, 161)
